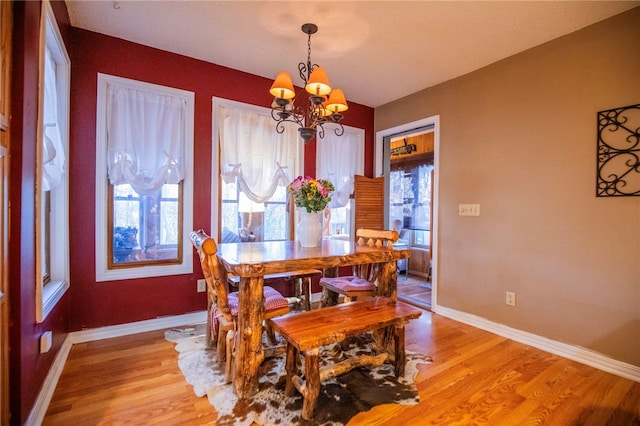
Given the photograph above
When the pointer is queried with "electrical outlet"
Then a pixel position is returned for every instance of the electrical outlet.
(202, 286)
(511, 298)
(46, 340)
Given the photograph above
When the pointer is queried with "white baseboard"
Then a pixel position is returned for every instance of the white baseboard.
(574, 353)
(39, 410)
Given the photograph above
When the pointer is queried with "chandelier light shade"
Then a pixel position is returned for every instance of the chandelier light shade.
(325, 105)
(282, 87)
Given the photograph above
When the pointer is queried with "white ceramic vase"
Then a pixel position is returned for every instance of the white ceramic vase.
(309, 229)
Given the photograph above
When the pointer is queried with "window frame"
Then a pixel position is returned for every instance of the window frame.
(140, 270)
(50, 289)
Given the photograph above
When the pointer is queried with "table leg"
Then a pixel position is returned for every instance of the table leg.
(248, 351)
(388, 287)
(388, 282)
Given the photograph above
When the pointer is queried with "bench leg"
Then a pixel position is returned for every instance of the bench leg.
(312, 382)
(400, 354)
(291, 364)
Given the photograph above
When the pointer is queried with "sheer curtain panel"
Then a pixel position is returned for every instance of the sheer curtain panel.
(339, 159)
(145, 133)
(253, 154)
(53, 155)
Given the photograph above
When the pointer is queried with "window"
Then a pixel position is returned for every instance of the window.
(338, 159)
(254, 167)
(52, 200)
(145, 227)
(144, 179)
(410, 198)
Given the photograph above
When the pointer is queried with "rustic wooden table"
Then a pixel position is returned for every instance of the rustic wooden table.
(251, 261)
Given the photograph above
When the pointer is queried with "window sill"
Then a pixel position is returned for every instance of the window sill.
(52, 292)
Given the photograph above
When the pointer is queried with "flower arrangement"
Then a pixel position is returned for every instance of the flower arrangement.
(311, 194)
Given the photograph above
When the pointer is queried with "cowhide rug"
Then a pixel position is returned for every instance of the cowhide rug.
(340, 398)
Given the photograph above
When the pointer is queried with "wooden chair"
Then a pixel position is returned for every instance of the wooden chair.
(222, 307)
(363, 282)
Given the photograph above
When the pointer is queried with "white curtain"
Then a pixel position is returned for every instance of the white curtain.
(53, 155)
(253, 154)
(145, 134)
(339, 159)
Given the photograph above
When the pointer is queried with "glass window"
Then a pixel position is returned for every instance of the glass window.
(51, 203)
(253, 158)
(143, 227)
(410, 201)
(245, 221)
(339, 159)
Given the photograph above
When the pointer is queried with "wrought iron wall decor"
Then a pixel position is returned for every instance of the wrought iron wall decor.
(619, 152)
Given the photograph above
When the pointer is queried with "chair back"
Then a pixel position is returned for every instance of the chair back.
(376, 238)
(216, 288)
(373, 238)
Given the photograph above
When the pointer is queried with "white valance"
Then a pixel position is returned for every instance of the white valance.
(53, 155)
(253, 154)
(339, 159)
(145, 134)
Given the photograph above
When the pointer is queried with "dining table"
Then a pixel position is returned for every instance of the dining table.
(253, 260)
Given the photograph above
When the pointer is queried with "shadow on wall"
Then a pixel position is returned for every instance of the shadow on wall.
(622, 334)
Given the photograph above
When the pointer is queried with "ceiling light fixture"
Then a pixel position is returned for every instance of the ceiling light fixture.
(326, 105)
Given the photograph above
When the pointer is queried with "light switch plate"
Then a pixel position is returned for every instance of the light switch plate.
(469, 209)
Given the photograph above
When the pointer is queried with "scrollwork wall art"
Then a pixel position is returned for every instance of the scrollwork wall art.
(619, 152)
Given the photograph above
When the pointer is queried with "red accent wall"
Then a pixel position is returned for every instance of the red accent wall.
(89, 304)
(106, 303)
(28, 368)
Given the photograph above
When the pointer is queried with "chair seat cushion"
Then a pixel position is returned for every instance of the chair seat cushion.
(272, 300)
(349, 283)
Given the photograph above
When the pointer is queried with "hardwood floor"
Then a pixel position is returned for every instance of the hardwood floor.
(415, 290)
(476, 378)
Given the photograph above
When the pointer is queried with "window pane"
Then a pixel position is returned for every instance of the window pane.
(275, 222)
(145, 227)
(270, 225)
(340, 222)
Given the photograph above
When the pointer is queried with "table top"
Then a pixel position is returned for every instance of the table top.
(249, 259)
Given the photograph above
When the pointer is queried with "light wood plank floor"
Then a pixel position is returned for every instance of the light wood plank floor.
(415, 290)
(477, 378)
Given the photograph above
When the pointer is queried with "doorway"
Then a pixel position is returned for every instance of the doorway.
(408, 162)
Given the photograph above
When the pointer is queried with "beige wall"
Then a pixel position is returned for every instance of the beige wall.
(519, 138)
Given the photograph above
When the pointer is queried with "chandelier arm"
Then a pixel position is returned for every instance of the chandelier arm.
(310, 119)
(304, 72)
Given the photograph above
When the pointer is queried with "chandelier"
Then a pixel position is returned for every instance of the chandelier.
(325, 104)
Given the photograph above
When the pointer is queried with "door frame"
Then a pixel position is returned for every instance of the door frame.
(379, 152)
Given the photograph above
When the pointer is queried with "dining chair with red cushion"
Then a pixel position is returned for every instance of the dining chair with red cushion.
(222, 306)
(364, 280)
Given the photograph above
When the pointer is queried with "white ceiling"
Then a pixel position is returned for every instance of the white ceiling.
(376, 51)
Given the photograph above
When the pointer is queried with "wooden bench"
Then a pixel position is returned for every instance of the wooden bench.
(305, 332)
(301, 283)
